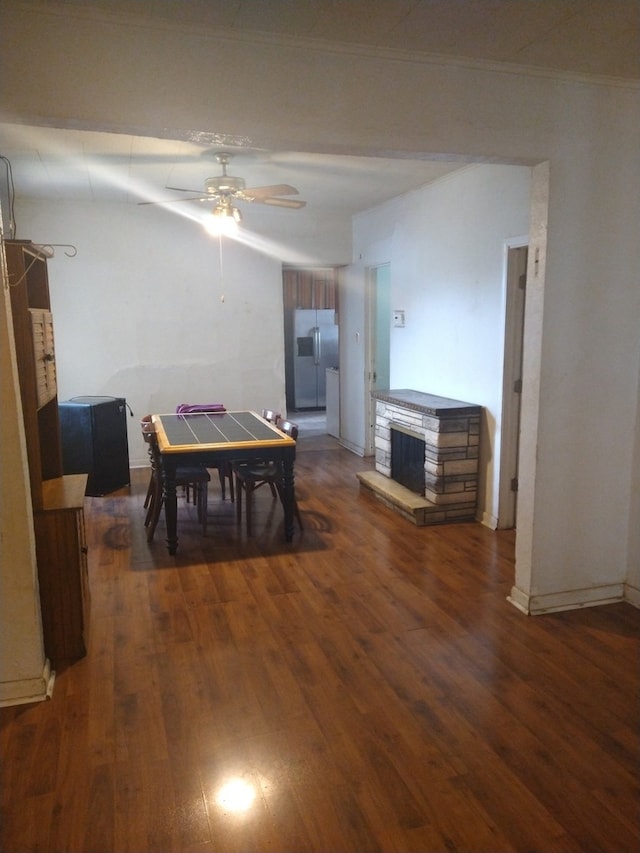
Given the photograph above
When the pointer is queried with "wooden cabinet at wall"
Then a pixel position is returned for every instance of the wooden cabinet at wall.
(310, 288)
(57, 500)
(33, 332)
(61, 552)
(44, 356)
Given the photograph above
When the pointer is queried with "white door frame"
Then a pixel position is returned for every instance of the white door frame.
(372, 303)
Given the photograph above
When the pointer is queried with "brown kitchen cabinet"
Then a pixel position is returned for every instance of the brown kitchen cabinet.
(315, 287)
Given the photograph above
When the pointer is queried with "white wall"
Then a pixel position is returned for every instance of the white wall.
(446, 246)
(579, 456)
(144, 311)
(352, 358)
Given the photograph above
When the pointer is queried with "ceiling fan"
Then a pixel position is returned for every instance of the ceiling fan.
(226, 188)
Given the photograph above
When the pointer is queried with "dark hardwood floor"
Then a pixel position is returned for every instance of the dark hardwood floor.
(365, 688)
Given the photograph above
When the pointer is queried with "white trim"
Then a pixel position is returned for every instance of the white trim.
(516, 243)
(369, 358)
(488, 520)
(519, 599)
(569, 600)
(354, 448)
(632, 595)
(28, 690)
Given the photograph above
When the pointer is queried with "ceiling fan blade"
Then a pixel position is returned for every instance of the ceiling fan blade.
(183, 190)
(175, 200)
(275, 189)
(292, 203)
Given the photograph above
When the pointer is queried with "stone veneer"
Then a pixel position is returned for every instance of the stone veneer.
(451, 432)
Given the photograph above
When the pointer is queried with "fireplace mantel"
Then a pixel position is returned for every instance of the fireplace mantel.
(429, 404)
(451, 433)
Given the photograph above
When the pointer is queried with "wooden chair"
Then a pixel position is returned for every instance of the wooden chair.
(147, 426)
(273, 417)
(195, 477)
(224, 468)
(249, 476)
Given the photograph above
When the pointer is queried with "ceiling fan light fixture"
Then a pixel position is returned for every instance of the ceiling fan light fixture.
(224, 189)
(223, 219)
(224, 184)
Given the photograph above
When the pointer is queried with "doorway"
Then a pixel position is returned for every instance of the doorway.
(516, 281)
(378, 319)
(311, 345)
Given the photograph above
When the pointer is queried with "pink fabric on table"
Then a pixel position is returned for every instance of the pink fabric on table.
(195, 408)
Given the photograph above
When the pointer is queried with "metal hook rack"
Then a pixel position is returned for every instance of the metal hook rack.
(47, 249)
(54, 246)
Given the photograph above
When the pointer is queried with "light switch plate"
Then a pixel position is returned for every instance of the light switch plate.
(398, 319)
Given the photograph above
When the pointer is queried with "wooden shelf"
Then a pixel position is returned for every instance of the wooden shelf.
(35, 355)
(64, 492)
(58, 516)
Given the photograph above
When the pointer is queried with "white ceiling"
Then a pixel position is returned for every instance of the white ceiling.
(86, 165)
(592, 37)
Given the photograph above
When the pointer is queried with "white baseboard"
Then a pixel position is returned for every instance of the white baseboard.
(569, 600)
(632, 595)
(519, 599)
(354, 448)
(488, 520)
(25, 691)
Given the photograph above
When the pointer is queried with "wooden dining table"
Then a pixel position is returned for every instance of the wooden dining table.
(214, 437)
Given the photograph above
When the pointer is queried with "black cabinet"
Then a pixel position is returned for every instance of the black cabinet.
(94, 442)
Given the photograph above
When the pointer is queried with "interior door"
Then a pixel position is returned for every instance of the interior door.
(512, 385)
(378, 309)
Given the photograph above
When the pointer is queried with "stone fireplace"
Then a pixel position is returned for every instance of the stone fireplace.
(449, 433)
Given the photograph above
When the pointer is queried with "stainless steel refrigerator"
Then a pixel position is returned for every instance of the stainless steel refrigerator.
(315, 347)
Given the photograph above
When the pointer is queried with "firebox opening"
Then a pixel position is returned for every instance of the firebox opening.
(407, 458)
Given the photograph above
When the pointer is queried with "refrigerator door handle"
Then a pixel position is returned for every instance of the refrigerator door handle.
(316, 345)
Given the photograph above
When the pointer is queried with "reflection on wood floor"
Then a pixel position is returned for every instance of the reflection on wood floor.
(365, 688)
